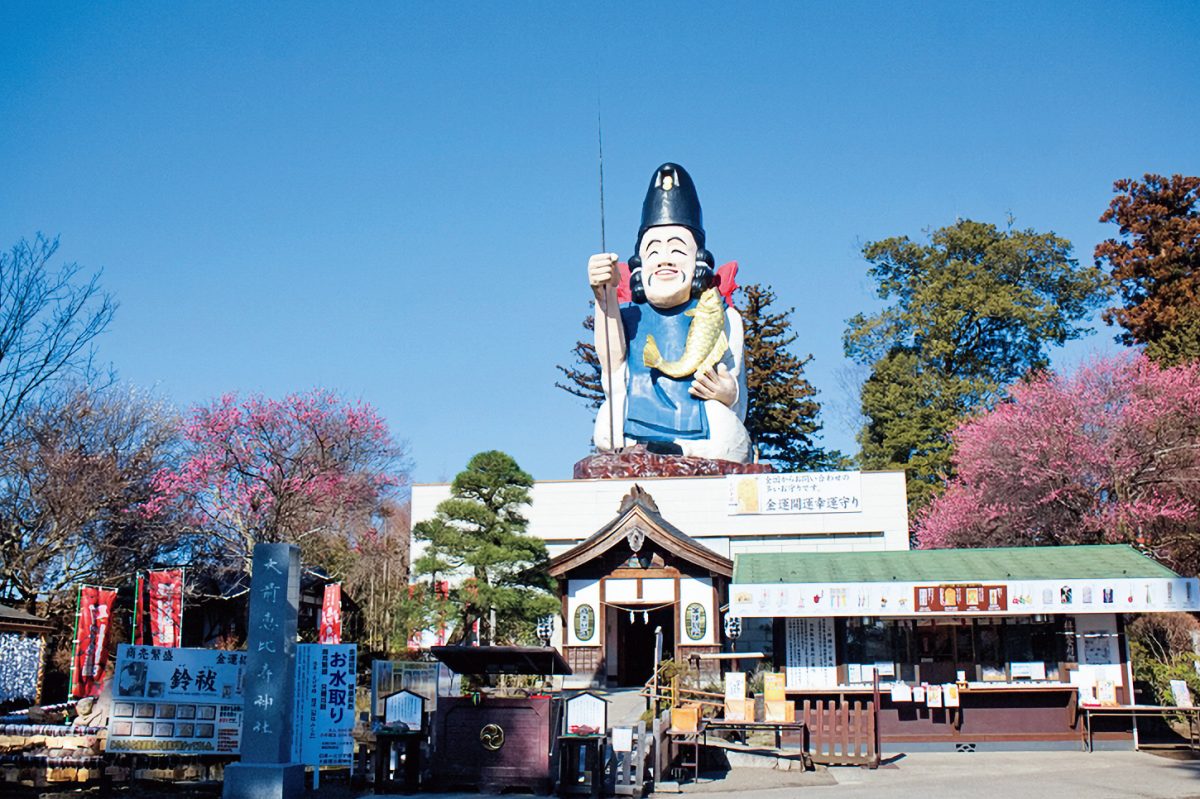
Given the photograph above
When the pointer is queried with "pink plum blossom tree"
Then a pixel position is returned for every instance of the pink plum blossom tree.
(307, 469)
(1109, 454)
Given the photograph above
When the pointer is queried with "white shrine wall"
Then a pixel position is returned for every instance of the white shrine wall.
(564, 512)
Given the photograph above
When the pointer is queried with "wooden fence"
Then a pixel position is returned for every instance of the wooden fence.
(842, 733)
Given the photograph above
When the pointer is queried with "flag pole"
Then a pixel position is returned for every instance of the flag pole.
(75, 643)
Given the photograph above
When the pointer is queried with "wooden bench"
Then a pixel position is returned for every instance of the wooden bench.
(1088, 712)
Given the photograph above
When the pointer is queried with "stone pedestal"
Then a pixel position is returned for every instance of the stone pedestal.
(264, 780)
(637, 462)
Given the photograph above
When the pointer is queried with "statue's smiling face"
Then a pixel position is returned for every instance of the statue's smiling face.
(668, 254)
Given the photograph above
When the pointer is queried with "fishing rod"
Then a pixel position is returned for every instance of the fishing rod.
(607, 371)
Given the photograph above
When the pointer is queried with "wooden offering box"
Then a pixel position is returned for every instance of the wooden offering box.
(494, 743)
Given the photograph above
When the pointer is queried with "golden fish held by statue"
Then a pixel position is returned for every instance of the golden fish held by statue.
(706, 342)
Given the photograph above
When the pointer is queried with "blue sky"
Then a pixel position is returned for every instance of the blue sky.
(398, 201)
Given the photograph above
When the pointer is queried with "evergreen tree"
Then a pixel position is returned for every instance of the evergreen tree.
(583, 378)
(781, 413)
(1156, 265)
(477, 539)
(971, 312)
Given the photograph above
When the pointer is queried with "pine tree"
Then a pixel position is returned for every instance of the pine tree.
(583, 378)
(781, 414)
(478, 536)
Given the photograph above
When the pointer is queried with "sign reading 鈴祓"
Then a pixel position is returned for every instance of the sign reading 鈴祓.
(176, 701)
(324, 706)
(172, 674)
(815, 492)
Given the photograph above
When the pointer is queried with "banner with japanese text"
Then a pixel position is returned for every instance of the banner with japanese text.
(89, 653)
(816, 492)
(165, 587)
(324, 704)
(177, 701)
(139, 609)
(331, 615)
(179, 675)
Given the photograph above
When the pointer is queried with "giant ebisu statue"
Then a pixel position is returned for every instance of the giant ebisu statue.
(672, 359)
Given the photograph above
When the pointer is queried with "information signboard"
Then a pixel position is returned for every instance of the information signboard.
(175, 728)
(170, 700)
(324, 704)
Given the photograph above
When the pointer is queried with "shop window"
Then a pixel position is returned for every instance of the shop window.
(1034, 649)
(989, 652)
(869, 646)
(905, 647)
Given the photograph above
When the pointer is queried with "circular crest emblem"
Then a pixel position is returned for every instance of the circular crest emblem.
(492, 737)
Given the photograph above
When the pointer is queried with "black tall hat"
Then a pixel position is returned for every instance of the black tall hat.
(671, 200)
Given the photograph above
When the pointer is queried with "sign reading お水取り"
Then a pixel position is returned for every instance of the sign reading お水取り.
(324, 705)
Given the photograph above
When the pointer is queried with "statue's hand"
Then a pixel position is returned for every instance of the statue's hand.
(603, 271)
(715, 384)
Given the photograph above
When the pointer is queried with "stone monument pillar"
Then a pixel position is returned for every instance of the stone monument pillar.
(266, 770)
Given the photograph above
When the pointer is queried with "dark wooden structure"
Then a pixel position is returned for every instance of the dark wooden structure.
(1027, 715)
(639, 546)
(406, 745)
(495, 743)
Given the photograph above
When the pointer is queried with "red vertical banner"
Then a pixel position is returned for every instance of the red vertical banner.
(90, 652)
(331, 615)
(139, 610)
(443, 592)
(166, 606)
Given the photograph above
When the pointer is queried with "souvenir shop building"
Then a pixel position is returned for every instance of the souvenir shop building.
(988, 648)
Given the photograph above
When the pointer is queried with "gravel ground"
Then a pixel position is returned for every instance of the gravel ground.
(1028, 775)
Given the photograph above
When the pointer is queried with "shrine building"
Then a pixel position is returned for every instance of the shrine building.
(634, 555)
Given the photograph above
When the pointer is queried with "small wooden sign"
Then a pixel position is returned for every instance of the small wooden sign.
(404, 707)
(587, 714)
(774, 686)
(1179, 692)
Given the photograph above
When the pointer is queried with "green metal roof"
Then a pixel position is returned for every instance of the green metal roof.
(1108, 561)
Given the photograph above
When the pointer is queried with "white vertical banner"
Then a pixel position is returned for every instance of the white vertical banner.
(324, 706)
(811, 659)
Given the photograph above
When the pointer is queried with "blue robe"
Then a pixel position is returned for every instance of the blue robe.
(658, 407)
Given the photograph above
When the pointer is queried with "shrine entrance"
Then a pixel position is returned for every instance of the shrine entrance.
(634, 575)
(634, 642)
